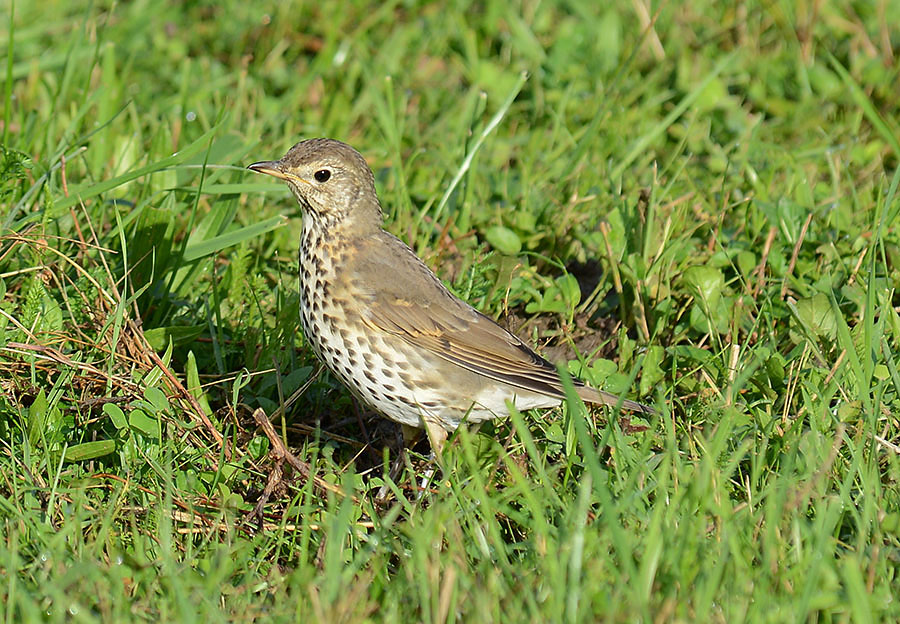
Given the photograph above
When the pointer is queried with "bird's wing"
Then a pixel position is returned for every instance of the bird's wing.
(415, 306)
(467, 339)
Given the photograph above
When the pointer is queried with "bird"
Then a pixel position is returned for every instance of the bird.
(387, 326)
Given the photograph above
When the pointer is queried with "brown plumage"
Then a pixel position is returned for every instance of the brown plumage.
(386, 325)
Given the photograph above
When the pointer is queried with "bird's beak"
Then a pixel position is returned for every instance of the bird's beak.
(269, 167)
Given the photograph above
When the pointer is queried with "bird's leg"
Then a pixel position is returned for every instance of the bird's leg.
(410, 436)
(437, 437)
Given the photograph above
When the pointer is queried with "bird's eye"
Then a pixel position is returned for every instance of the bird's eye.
(322, 175)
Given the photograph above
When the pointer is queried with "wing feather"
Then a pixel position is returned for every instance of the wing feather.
(416, 307)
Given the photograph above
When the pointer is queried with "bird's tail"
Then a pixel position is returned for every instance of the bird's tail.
(591, 395)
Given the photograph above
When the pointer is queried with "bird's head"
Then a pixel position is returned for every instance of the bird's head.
(330, 179)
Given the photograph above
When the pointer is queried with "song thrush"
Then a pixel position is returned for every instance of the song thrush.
(386, 325)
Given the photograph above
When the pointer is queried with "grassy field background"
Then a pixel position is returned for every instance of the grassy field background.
(691, 203)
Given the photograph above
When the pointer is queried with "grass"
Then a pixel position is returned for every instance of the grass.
(692, 203)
